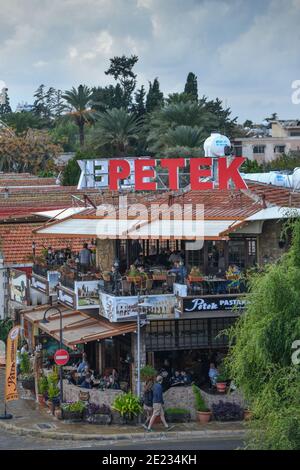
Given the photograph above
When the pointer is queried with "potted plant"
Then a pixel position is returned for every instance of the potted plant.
(95, 414)
(148, 373)
(128, 406)
(221, 383)
(42, 389)
(26, 376)
(227, 411)
(203, 413)
(73, 410)
(195, 275)
(53, 396)
(178, 415)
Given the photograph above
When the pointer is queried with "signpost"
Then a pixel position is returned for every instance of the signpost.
(61, 357)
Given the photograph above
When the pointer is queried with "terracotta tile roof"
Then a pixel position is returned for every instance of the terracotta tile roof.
(223, 204)
(23, 201)
(16, 242)
(275, 194)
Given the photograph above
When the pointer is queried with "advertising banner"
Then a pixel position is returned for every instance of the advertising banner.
(11, 392)
(198, 304)
(87, 294)
(18, 286)
(122, 308)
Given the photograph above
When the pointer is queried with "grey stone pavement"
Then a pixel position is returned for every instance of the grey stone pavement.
(34, 425)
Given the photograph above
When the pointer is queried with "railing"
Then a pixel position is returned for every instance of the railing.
(40, 270)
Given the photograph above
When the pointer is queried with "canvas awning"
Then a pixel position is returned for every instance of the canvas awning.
(141, 229)
(78, 327)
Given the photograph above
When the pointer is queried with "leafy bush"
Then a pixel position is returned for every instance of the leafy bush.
(53, 391)
(43, 385)
(148, 373)
(93, 409)
(177, 411)
(25, 363)
(199, 401)
(226, 411)
(127, 404)
(74, 407)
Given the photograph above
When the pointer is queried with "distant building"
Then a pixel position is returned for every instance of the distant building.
(284, 138)
(24, 107)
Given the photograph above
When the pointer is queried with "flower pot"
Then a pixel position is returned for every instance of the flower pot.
(221, 387)
(41, 399)
(247, 415)
(58, 413)
(204, 416)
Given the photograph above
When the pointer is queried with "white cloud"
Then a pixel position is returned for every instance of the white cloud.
(244, 52)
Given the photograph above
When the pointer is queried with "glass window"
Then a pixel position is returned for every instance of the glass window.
(259, 149)
(236, 252)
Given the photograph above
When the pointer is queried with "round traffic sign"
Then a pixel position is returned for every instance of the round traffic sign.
(61, 357)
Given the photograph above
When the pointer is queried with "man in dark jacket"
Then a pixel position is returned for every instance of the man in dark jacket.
(158, 403)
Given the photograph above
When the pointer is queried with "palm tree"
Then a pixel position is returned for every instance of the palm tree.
(185, 124)
(80, 101)
(116, 128)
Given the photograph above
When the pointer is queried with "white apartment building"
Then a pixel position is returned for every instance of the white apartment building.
(284, 138)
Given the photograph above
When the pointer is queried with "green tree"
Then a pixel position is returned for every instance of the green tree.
(71, 171)
(192, 118)
(116, 129)
(79, 101)
(154, 98)
(248, 123)
(121, 68)
(224, 123)
(139, 106)
(39, 105)
(260, 357)
(191, 86)
(5, 327)
(21, 122)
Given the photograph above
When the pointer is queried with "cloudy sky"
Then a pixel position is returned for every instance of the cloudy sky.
(243, 51)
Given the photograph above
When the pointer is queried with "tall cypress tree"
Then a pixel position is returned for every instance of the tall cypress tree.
(155, 98)
(139, 107)
(191, 86)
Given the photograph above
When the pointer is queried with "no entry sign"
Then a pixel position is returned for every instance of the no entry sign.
(61, 357)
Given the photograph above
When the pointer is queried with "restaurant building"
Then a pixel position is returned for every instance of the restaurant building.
(182, 319)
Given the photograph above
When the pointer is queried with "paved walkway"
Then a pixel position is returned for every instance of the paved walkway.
(29, 418)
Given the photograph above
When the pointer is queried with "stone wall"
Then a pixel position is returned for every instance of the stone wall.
(268, 248)
(106, 397)
(183, 397)
(105, 254)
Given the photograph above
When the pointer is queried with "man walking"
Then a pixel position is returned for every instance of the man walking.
(158, 403)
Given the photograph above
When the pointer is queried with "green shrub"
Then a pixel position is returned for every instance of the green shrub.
(148, 373)
(199, 401)
(53, 391)
(25, 367)
(74, 407)
(127, 404)
(177, 411)
(43, 385)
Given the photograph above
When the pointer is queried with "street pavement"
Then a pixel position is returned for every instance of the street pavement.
(9, 441)
(34, 427)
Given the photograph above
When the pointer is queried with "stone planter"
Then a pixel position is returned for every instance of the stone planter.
(41, 399)
(74, 416)
(99, 419)
(28, 383)
(118, 419)
(204, 416)
(178, 417)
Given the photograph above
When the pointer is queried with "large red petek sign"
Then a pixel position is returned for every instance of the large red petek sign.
(61, 357)
(119, 169)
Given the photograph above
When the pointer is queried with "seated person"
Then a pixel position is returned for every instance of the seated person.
(87, 381)
(83, 364)
(72, 378)
(186, 378)
(213, 374)
(180, 270)
(176, 379)
(114, 380)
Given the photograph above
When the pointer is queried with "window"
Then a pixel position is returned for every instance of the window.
(236, 252)
(238, 149)
(295, 133)
(259, 149)
(279, 148)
